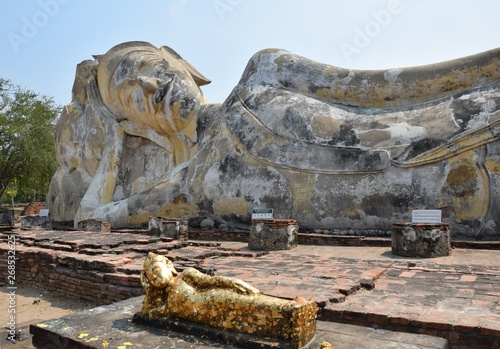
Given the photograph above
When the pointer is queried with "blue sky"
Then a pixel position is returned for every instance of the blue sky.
(42, 41)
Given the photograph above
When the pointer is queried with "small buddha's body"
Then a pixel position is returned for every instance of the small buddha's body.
(224, 303)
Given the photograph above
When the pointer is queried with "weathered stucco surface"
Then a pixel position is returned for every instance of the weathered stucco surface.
(333, 148)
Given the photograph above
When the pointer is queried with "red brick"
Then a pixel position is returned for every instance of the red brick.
(467, 323)
(407, 274)
(354, 317)
(399, 320)
(374, 273)
(430, 322)
(73, 281)
(490, 331)
(381, 319)
(429, 333)
(468, 278)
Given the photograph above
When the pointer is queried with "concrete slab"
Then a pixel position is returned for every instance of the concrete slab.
(111, 326)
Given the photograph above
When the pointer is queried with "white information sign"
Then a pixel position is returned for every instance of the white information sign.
(265, 213)
(426, 216)
(44, 212)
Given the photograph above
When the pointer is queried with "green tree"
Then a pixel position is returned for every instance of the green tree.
(27, 152)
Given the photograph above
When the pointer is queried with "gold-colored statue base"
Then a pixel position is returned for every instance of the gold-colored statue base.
(226, 338)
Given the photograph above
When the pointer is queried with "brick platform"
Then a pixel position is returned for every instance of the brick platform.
(460, 303)
(112, 327)
(102, 267)
(454, 297)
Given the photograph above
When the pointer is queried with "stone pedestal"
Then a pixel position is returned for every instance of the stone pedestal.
(94, 225)
(36, 221)
(421, 240)
(273, 235)
(175, 228)
(7, 218)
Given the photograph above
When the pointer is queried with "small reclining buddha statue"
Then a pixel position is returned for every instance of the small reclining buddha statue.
(224, 303)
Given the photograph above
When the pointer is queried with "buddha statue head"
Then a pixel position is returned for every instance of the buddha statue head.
(150, 86)
(158, 271)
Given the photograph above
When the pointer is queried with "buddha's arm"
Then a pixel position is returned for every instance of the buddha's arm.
(200, 280)
(370, 88)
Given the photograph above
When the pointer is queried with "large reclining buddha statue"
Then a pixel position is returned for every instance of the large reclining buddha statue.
(333, 148)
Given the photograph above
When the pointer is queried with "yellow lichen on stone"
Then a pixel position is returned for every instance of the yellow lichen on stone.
(371, 138)
(466, 188)
(352, 212)
(418, 86)
(492, 164)
(238, 206)
(179, 209)
(325, 126)
(323, 93)
(302, 185)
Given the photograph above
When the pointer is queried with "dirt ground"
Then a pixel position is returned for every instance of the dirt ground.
(33, 305)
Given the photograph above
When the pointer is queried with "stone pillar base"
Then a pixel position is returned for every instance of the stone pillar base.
(7, 218)
(94, 225)
(36, 221)
(273, 235)
(175, 228)
(421, 240)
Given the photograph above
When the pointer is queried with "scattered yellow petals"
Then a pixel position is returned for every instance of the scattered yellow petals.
(92, 339)
(121, 347)
(42, 325)
(82, 334)
(127, 343)
(105, 344)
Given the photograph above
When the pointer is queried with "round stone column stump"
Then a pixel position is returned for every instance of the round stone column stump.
(421, 240)
(273, 235)
(94, 225)
(175, 228)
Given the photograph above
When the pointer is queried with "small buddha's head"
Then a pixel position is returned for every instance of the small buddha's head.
(159, 270)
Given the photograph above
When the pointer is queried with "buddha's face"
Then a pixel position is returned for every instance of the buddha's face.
(149, 86)
(159, 270)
